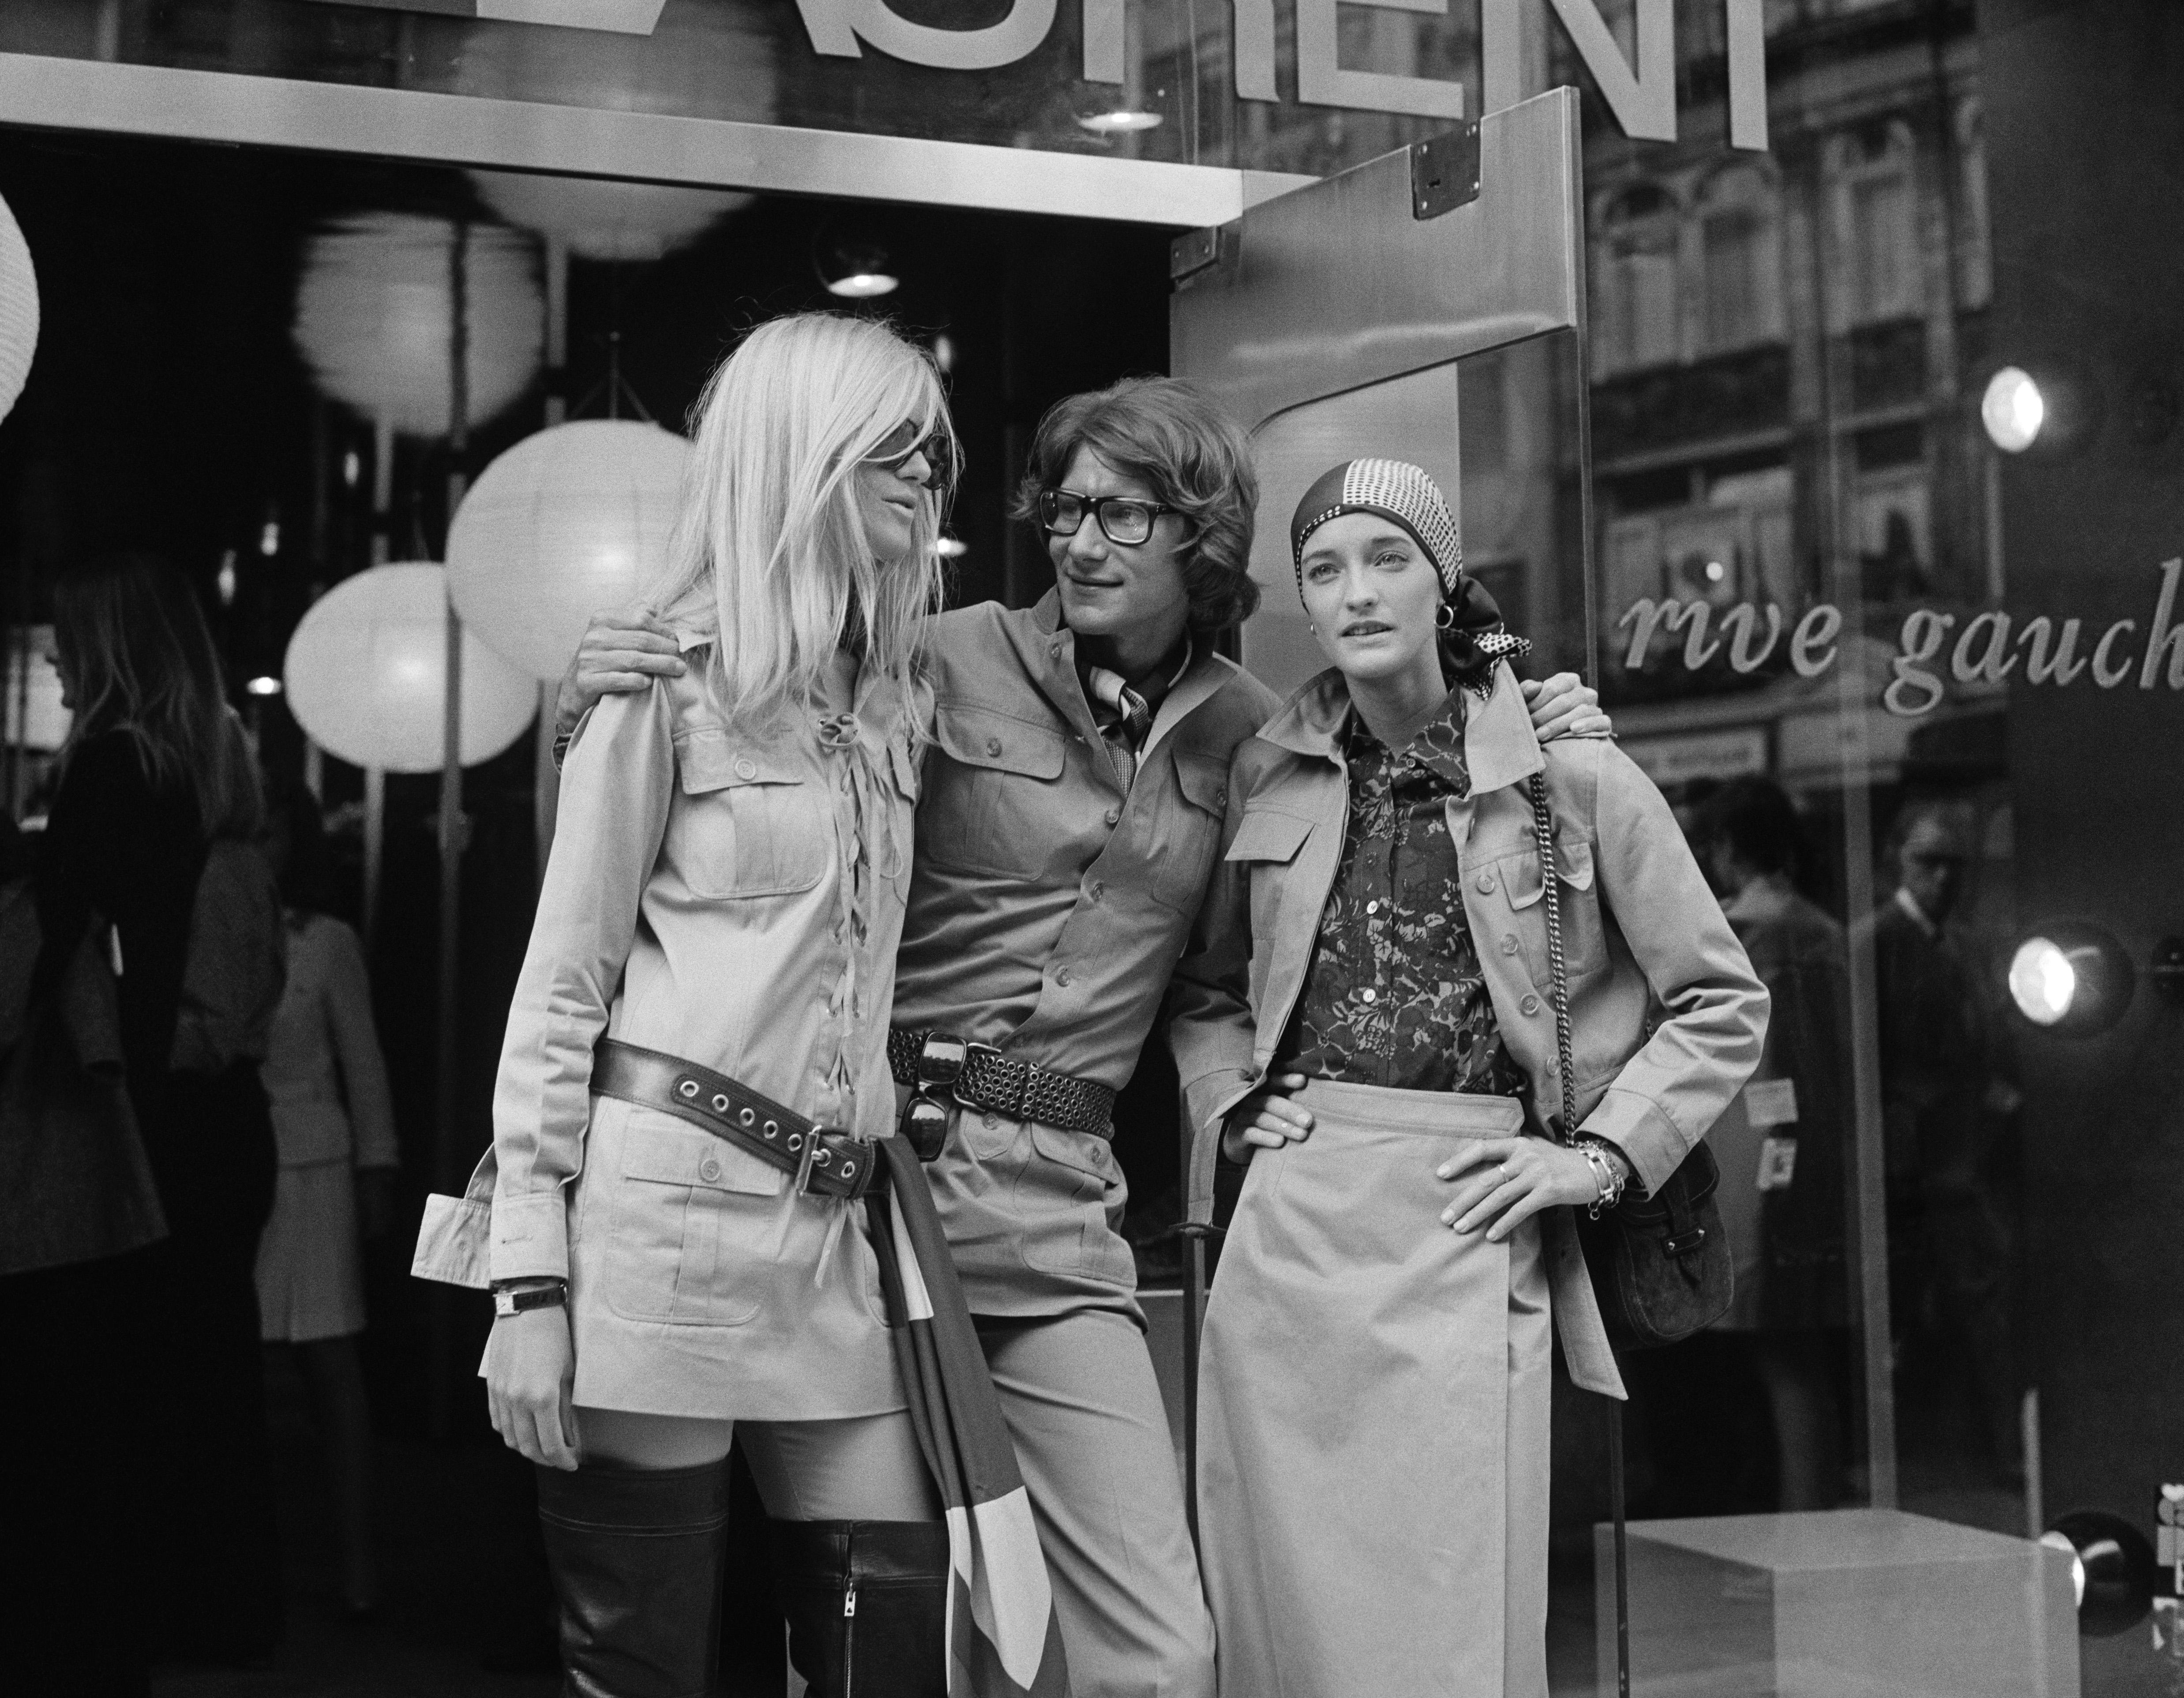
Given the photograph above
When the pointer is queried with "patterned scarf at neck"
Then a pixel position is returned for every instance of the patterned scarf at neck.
(1132, 706)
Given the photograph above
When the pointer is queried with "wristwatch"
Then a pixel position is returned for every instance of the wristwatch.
(515, 1298)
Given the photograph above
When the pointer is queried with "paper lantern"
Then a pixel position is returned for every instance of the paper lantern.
(19, 309)
(606, 220)
(567, 522)
(366, 674)
(374, 317)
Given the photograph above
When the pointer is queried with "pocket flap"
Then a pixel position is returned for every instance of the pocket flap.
(1203, 779)
(980, 737)
(711, 759)
(1520, 873)
(675, 1154)
(1086, 1152)
(1265, 835)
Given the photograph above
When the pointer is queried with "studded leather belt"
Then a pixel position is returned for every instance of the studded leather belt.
(834, 1163)
(1020, 1090)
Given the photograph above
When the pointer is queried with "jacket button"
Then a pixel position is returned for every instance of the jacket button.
(1530, 1005)
(1509, 943)
(1114, 816)
(1220, 798)
(1098, 891)
(1062, 975)
(746, 768)
(1054, 651)
(709, 1170)
(993, 745)
(1486, 883)
(1368, 995)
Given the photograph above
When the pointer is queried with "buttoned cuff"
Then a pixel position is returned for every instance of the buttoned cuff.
(531, 1236)
(1652, 1143)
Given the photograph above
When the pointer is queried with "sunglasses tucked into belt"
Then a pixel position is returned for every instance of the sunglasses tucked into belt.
(941, 1069)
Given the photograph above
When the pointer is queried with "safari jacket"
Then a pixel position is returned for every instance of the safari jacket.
(1667, 1014)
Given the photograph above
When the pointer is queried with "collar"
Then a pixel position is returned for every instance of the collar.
(1436, 742)
(1909, 905)
(1498, 747)
(1047, 650)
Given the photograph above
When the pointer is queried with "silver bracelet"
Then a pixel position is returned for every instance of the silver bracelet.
(1611, 1182)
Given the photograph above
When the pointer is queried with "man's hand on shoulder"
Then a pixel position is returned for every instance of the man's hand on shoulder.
(1565, 706)
(622, 650)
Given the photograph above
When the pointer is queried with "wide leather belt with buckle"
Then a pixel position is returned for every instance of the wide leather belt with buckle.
(834, 1163)
(1020, 1091)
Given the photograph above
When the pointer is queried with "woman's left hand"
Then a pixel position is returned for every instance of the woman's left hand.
(1512, 1179)
(1565, 705)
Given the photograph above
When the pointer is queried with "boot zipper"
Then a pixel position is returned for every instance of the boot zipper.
(849, 1642)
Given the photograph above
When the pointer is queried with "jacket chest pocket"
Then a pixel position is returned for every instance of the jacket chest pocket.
(1264, 850)
(1584, 938)
(751, 821)
(992, 802)
(1185, 833)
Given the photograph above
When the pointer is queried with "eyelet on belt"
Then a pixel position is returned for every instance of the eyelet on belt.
(822, 1156)
(795, 1141)
(773, 1129)
(720, 1102)
(688, 1087)
(849, 1170)
(745, 1118)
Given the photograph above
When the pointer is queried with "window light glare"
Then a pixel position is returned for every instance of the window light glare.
(2043, 981)
(864, 286)
(2013, 410)
(1121, 123)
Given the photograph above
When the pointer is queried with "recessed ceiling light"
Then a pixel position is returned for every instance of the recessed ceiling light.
(863, 285)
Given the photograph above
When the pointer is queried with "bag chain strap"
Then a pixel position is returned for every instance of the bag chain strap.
(1544, 831)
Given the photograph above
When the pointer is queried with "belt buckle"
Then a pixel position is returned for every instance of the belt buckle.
(854, 1161)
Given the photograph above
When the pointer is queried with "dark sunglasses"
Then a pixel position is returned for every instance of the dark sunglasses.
(1122, 519)
(909, 438)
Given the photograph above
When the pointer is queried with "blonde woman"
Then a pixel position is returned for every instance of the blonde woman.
(693, 1091)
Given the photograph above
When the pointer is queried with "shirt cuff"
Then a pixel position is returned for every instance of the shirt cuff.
(531, 1236)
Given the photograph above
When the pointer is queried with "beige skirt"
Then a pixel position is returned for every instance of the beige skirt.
(310, 1269)
(1373, 1425)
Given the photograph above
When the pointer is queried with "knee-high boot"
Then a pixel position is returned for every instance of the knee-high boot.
(636, 1555)
(867, 1605)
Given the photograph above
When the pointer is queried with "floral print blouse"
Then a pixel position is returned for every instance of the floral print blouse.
(1394, 995)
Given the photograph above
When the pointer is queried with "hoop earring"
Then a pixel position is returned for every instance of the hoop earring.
(1445, 619)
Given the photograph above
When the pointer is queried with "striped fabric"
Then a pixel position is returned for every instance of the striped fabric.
(1003, 1639)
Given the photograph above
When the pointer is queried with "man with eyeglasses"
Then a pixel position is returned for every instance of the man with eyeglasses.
(1071, 810)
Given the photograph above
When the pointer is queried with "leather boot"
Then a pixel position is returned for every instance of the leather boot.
(636, 1555)
(867, 1605)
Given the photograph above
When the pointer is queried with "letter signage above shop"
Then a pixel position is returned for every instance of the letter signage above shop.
(1640, 88)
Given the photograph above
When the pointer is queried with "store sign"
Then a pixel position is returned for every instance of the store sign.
(1640, 90)
(1987, 650)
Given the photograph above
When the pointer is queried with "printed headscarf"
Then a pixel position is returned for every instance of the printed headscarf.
(1406, 495)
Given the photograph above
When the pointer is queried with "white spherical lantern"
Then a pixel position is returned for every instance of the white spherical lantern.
(366, 674)
(600, 220)
(18, 311)
(565, 523)
(374, 315)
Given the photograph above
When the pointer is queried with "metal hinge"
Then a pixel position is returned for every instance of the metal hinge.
(1444, 172)
(1192, 252)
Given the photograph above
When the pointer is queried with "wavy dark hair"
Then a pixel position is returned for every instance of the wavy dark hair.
(141, 664)
(1190, 456)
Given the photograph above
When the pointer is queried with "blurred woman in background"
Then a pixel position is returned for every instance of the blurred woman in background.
(152, 835)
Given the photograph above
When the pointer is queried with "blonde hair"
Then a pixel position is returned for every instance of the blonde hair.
(770, 560)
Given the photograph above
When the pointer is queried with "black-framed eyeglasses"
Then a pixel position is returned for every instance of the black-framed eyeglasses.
(909, 438)
(1122, 519)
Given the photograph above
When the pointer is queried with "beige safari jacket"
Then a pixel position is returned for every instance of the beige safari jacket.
(735, 901)
(1667, 1014)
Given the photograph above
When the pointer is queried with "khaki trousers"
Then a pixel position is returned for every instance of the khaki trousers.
(1092, 1438)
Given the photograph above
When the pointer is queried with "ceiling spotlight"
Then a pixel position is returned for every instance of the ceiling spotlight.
(853, 263)
(2071, 978)
(1121, 123)
(263, 685)
(2013, 410)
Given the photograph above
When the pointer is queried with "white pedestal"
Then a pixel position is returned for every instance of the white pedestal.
(1843, 1604)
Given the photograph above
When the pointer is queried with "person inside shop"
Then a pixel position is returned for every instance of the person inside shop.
(694, 1099)
(153, 831)
(1068, 822)
(333, 1126)
(1370, 1021)
(1784, 1141)
(1946, 1101)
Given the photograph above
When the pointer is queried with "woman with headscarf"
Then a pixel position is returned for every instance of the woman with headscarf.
(1371, 1026)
